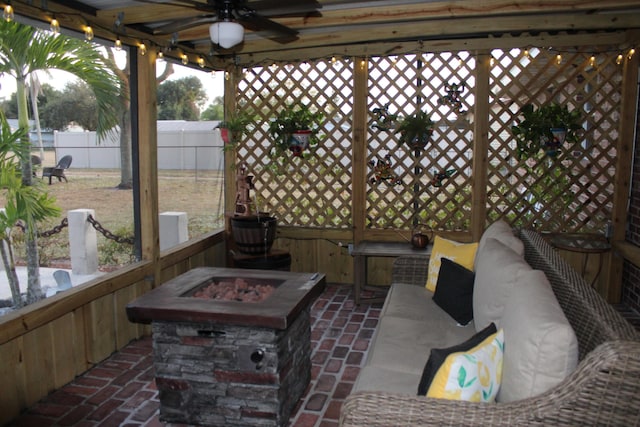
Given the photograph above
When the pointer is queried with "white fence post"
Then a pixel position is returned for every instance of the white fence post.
(173, 229)
(83, 242)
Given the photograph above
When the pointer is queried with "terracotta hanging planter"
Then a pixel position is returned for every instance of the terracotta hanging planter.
(295, 129)
(552, 146)
(299, 141)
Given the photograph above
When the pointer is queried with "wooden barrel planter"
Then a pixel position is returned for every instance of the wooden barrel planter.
(253, 234)
(274, 260)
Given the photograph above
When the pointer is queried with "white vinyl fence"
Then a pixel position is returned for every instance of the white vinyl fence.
(182, 145)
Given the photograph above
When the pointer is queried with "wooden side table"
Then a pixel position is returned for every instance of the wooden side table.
(366, 249)
(585, 243)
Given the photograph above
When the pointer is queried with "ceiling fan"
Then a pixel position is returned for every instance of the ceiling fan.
(229, 18)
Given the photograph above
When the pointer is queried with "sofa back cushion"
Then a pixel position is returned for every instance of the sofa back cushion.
(541, 348)
(497, 270)
(502, 232)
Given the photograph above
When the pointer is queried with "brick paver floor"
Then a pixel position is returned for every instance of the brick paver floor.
(121, 391)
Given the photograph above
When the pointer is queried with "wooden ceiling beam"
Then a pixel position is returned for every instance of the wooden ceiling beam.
(148, 14)
(563, 40)
(444, 28)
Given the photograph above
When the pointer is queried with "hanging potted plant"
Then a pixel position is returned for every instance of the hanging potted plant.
(546, 129)
(235, 127)
(295, 128)
(415, 130)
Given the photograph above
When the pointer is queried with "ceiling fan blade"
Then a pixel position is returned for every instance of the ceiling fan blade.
(269, 29)
(183, 24)
(273, 8)
(193, 4)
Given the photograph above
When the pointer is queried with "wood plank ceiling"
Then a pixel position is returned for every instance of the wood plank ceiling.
(341, 27)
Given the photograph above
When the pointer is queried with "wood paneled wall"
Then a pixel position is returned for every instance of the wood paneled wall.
(47, 344)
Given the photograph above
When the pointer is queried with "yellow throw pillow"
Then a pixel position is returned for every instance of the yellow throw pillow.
(473, 376)
(461, 253)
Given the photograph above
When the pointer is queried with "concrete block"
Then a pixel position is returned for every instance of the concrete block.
(173, 229)
(83, 242)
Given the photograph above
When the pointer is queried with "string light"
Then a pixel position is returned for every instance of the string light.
(201, 61)
(55, 26)
(592, 60)
(363, 63)
(8, 13)
(227, 75)
(88, 33)
(558, 59)
(619, 59)
(631, 52)
(526, 53)
(118, 44)
(160, 55)
(143, 49)
(492, 61)
(185, 59)
(333, 59)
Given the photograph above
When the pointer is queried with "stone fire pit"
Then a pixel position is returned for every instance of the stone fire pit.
(230, 363)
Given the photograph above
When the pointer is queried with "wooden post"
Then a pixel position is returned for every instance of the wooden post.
(231, 78)
(359, 148)
(230, 102)
(480, 145)
(624, 159)
(144, 68)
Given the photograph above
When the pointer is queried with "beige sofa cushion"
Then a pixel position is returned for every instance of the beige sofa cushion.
(497, 270)
(411, 324)
(540, 348)
(502, 232)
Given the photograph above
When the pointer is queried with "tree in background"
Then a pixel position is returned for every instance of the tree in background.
(215, 110)
(75, 104)
(181, 99)
(10, 106)
(124, 73)
(24, 50)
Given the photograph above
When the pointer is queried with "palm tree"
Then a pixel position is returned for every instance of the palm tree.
(28, 204)
(24, 50)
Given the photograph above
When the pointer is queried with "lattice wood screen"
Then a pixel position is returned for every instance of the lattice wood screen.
(313, 191)
(405, 84)
(572, 192)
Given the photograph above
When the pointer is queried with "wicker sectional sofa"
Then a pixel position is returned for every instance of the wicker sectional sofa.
(603, 389)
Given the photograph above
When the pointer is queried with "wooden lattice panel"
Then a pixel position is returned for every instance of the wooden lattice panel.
(315, 190)
(405, 84)
(573, 191)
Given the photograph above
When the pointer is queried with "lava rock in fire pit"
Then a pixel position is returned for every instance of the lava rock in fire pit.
(236, 290)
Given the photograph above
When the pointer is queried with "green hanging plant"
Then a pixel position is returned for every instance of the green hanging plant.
(235, 127)
(535, 131)
(415, 130)
(290, 120)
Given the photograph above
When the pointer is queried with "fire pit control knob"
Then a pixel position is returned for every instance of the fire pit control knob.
(256, 357)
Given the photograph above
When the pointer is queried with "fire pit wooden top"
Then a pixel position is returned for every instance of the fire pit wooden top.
(174, 301)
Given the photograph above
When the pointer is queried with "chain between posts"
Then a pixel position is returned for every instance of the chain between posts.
(55, 230)
(65, 223)
(108, 234)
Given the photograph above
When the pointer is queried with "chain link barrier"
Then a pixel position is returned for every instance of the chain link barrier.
(65, 223)
(108, 234)
(55, 230)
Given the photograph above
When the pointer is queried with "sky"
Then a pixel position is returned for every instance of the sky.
(213, 84)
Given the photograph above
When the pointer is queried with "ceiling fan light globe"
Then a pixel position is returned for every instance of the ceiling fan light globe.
(226, 33)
